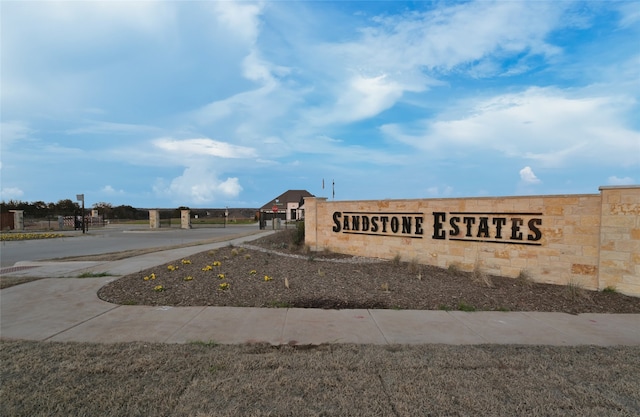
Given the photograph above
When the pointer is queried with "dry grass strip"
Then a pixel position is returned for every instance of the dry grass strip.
(205, 379)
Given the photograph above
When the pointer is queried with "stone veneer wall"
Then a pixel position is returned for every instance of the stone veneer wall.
(591, 240)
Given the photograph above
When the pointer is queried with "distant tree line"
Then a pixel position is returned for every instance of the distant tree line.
(40, 209)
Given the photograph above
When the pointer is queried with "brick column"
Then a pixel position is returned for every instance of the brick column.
(154, 219)
(18, 219)
(185, 219)
(311, 221)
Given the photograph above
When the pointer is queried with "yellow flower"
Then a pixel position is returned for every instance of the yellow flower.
(221, 276)
(253, 272)
(207, 268)
(217, 263)
(267, 278)
(153, 275)
(146, 278)
(172, 267)
(223, 286)
(185, 262)
(189, 278)
(158, 288)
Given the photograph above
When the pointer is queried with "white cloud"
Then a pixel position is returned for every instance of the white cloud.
(107, 189)
(239, 18)
(111, 128)
(550, 126)
(363, 98)
(198, 185)
(204, 147)
(446, 191)
(52, 51)
(13, 131)
(613, 180)
(403, 53)
(10, 193)
(528, 177)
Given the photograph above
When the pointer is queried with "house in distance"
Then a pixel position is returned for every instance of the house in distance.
(288, 206)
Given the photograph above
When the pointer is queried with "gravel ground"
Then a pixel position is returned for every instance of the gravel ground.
(274, 272)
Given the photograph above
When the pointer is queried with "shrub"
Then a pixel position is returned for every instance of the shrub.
(298, 237)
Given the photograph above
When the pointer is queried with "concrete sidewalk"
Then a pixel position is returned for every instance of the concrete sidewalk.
(67, 309)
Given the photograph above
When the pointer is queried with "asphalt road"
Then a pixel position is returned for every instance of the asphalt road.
(113, 238)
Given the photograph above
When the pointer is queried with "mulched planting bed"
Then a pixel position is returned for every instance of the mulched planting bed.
(273, 272)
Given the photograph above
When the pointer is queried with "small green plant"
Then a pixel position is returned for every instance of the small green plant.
(414, 266)
(463, 306)
(609, 289)
(453, 268)
(444, 307)
(247, 256)
(215, 368)
(480, 276)
(384, 287)
(298, 237)
(575, 290)
(396, 260)
(321, 272)
(93, 274)
(524, 279)
(234, 252)
(504, 309)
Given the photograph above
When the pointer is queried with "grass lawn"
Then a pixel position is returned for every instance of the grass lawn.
(205, 379)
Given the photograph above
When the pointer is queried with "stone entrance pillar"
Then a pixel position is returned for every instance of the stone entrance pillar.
(154, 219)
(18, 219)
(185, 219)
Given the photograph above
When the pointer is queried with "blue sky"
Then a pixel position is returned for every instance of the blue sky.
(213, 104)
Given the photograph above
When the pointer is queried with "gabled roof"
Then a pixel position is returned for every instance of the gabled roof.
(291, 196)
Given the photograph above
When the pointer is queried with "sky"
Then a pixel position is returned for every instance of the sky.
(231, 103)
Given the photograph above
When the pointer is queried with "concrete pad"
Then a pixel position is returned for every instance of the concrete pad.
(314, 326)
(40, 309)
(593, 329)
(230, 325)
(131, 324)
(509, 328)
(421, 327)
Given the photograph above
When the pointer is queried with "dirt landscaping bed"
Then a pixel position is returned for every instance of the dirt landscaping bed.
(274, 272)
